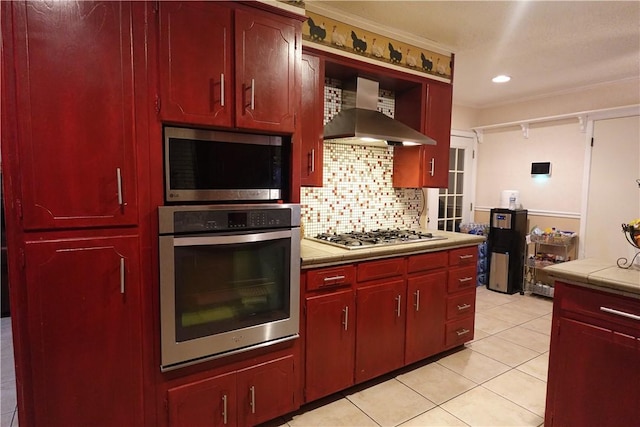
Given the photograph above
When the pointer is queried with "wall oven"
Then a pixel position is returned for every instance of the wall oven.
(207, 165)
(229, 279)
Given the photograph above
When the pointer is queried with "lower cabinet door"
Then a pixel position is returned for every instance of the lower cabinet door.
(596, 372)
(426, 296)
(266, 391)
(210, 402)
(83, 305)
(380, 330)
(330, 344)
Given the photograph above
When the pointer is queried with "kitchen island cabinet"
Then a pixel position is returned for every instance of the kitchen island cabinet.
(228, 66)
(595, 345)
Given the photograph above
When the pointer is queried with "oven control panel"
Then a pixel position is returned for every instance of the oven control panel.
(195, 219)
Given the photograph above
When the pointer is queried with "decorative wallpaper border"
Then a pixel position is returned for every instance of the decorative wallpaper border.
(342, 37)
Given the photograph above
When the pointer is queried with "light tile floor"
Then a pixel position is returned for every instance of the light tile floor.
(499, 379)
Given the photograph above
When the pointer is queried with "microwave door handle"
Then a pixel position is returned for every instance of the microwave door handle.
(207, 240)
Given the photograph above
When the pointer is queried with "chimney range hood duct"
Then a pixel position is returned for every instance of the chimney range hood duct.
(363, 120)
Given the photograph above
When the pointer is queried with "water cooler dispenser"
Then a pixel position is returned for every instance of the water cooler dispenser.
(506, 247)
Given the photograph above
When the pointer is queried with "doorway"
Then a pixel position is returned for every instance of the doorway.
(451, 206)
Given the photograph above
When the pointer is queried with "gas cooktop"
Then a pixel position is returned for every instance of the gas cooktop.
(368, 239)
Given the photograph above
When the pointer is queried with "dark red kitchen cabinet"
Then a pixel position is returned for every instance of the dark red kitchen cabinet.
(428, 165)
(593, 359)
(330, 349)
(426, 295)
(209, 402)
(196, 63)
(312, 114)
(84, 331)
(266, 391)
(267, 49)
(77, 68)
(380, 332)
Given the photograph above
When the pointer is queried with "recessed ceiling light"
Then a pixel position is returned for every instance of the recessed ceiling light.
(501, 79)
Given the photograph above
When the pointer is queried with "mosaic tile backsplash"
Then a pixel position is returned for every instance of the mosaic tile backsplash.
(357, 192)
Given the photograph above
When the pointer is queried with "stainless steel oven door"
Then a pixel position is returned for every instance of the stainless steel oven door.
(225, 293)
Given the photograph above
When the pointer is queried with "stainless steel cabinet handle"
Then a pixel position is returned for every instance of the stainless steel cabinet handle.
(119, 179)
(252, 389)
(346, 317)
(432, 164)
(333, 278)
(462, 332)
(620, 313)
(465, 279)
(417, 304)
(224, 409)
(253, 94)
(222, 105)
(399, 299)
(463, 306)
(465, 256)
(313, 160)
(122, 276)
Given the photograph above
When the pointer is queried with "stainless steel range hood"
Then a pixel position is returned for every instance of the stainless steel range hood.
(360, 123)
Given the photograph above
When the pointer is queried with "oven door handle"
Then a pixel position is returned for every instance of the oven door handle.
(229, 239)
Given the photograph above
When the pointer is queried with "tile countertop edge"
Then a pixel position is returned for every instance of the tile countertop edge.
(315, 254)
(598, 274)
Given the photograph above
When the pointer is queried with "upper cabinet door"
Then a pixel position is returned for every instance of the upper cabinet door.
(438, 127)
(74, 67)
(267, 92)
(312, 114)
(196, 77)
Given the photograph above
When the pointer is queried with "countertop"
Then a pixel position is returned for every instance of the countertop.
(598, 274)
(316, 254)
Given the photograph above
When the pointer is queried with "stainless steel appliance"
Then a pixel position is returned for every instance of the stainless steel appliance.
(368, 239)
(506, 247)
(229, 279)
(211, 166)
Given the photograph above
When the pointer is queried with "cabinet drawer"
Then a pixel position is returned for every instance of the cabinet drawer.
(458, 332)
(462, 278)
(607, 308)
(463, 256)
(331, 277)
(425, 262)
(461, 305)
(380, 269)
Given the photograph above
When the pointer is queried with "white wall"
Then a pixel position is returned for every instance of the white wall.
(504, 163)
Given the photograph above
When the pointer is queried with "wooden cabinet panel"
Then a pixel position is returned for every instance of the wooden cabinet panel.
(462, 278)
(343, 275)
(209, 402)
(196, 74)
(459, 331)
(380, 329)
(312, 116)
(266, 391)
(373, 270)
(429, 261)
(266, 52)
(428, 165)
(84, 326)
(330, 349)
(461, 304)
(463, 256)
(595, 377)
(425, 315)
(75, 104)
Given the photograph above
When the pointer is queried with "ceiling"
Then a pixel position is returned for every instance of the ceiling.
(547, 47)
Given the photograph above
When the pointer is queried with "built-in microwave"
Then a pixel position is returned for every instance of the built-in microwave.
(210, 166)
